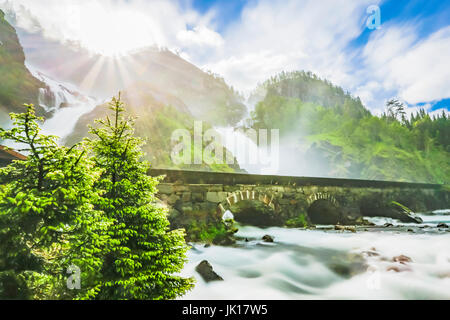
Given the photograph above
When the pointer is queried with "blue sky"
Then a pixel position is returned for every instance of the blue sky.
(248, 41)
(229, 10)
(432, 14)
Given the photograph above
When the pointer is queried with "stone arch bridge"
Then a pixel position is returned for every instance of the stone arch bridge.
(207, 195)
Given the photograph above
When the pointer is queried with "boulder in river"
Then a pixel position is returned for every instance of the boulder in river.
(348, 265)
(442, 225)
(206, 271)
(267, 238)
(402, 259)
(224, 240)
(398, 268)
(371, 253)
(376, 206)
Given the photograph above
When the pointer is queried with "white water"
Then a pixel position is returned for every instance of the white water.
(245, 150)
(67, 105)
(242, 147)
(429, 220)
(298, 265)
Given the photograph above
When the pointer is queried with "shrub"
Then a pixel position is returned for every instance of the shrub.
(298, 222)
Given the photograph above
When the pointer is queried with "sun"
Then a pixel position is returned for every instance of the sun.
(114, 32)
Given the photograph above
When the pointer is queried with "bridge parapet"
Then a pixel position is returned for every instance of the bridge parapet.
(231, 179)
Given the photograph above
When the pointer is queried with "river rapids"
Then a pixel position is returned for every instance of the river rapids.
(405, 261)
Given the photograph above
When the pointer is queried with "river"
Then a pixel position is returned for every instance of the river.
(328, 264)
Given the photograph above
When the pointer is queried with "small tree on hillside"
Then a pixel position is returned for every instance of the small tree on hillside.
(47, 222)
(395, 109)
(146, 255)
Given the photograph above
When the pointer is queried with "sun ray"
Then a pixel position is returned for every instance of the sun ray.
(90, 78)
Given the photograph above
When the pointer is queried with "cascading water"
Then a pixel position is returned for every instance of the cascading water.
(66, 104)
(241, 146)
(254, 151)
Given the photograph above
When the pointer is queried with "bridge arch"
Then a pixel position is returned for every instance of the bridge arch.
(323, 208)
(252, 207)
(242, 195)
(321, 195)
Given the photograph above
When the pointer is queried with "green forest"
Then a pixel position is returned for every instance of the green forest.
(351, 141)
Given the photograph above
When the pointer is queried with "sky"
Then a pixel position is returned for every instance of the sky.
(407, 56)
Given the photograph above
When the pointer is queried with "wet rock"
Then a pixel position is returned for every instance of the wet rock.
(443, 275)
(402, 259)
(363, 222)
(349, 265)
(224, 240)
(206, 271)
(387, 225)
(267, 238)
(371, 253)
(345, 228)
(207, 245)
(376, 206)
(442, 225)
(398, 268)
(417, 219)
(393, 268)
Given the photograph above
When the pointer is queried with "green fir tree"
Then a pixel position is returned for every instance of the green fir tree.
(145, 257)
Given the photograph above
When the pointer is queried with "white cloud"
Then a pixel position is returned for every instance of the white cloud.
(417, 70)
(200, 36)
(272, 36)
(245, 71)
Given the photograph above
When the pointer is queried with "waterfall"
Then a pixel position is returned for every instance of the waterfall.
(65, 102)
(241, 146)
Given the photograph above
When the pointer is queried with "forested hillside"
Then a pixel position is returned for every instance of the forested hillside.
(18, 86)
(334, 135)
